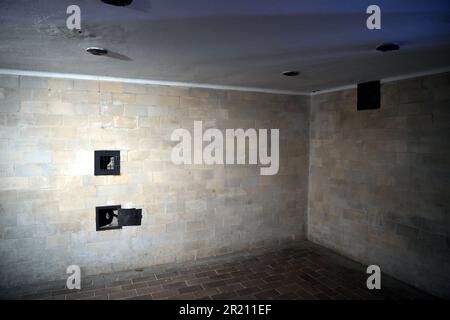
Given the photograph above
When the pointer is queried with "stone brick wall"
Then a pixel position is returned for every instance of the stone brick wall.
(379, 189)
(49, 129)
(379, 181)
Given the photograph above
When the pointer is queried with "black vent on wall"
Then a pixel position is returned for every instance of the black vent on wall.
(107, 218)
(369, 95)
(114, 217)
(107, 163)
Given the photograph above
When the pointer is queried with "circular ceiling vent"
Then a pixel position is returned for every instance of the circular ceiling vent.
(384, 47)
(96, 51)
(119, 3)
(291, 73)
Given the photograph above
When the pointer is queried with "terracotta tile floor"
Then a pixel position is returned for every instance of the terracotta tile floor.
(300, 271)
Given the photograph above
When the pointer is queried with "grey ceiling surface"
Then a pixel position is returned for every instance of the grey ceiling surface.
(238, 43)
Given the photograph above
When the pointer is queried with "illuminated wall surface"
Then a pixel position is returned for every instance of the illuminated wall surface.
(379, 180)
(48, 191)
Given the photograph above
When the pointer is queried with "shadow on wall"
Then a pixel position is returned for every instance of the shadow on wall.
(379, 179)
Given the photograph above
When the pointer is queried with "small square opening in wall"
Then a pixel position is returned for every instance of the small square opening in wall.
(368, 95)
(107, 162)
(107, 217)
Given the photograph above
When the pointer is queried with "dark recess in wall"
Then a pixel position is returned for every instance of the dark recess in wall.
(107, 163)
(368, 95)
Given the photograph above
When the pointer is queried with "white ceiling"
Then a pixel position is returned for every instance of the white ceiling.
(233, 42)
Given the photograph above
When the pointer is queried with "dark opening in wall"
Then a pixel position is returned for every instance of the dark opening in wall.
(114, 217)
(107, 218)
(368, 95)
(107, 163)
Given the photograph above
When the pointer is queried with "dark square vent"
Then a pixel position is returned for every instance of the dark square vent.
(107, 163)
(369, 95)
(107, 218)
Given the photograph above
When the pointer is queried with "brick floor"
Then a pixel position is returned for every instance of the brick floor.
(301, 271)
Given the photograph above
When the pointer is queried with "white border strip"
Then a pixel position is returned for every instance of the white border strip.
(144, 81)
(206, 85)
(386, 80)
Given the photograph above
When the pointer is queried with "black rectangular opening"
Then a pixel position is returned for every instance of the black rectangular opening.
(107, 217)
(369, 95)
(107, 162)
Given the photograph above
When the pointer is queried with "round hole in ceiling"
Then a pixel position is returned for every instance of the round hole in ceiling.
(96, 51)
(290, 73)
(384, 47)
(119, 3)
